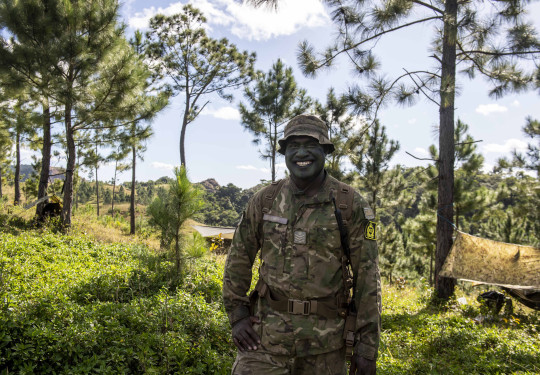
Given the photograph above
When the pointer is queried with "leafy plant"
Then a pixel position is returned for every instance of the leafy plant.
(195, 245)
(169, 211)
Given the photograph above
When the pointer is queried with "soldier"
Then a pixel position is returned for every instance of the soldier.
(300, 318)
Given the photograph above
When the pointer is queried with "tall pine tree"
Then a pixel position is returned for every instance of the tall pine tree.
(271, 102)
(342, 129)
(196, 65)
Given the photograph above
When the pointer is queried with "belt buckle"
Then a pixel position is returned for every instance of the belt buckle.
(299, 307)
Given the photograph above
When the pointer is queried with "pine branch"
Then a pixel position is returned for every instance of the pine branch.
(421, 87)
(408, 153)
(435, 9)
(496, 54)
(377, 35)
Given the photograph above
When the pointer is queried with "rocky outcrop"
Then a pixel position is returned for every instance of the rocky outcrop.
(210, 185)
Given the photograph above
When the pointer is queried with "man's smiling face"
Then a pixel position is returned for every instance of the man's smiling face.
(304, 157)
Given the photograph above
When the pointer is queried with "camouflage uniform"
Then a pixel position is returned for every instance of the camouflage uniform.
(300, 259)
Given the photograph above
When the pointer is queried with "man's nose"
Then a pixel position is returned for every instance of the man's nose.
(302, 151)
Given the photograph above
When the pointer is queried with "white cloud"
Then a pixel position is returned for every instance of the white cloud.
(247, 167)
(516, 103)
(508, 146)
(487, 109)
(245, 21)
(412, 121)
(262, 23)
(140, 20)
(421, 151)
(250, 167)
(165, 166)
(225, 113)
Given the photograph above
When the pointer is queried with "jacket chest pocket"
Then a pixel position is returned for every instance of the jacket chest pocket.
(272, 249)
(324, 254)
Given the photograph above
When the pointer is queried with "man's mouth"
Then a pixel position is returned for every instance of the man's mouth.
(303, 163)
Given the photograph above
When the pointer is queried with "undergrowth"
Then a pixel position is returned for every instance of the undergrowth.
(69, 305)
(72, 305)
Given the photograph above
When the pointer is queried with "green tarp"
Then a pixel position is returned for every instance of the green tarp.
(491, 262)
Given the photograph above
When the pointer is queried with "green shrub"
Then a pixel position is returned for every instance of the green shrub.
(195, 245)
(69, 305)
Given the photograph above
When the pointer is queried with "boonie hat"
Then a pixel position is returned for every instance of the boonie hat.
(309, 125)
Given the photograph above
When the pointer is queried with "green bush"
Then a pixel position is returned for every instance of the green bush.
(195, 245)
(69, 305)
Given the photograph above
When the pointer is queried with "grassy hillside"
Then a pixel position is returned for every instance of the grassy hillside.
(71, 304)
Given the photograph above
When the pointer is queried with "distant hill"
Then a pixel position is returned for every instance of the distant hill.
(27, 170)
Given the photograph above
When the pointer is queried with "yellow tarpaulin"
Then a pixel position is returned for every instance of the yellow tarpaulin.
(491, 262)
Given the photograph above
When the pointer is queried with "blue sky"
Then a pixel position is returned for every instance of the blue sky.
(218, 147)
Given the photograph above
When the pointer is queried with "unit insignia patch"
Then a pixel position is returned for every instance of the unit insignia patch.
(370, 231)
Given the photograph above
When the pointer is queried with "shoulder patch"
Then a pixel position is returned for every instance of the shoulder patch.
(368, 213)
(370, 231)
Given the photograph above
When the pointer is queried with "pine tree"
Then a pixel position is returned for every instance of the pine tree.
(384, 189)
(169, 212)
(272, 101)
(28, 51)
(138, 132)
(343, 129)
(471, 200)
(197, 65)
(518, 192)
(91, 156)
(5, 147)
(371, 160)
(119, 167)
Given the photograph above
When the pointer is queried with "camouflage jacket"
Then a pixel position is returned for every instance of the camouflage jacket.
(305, 266)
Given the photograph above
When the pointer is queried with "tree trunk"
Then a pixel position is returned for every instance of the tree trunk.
(445, 286)
(273, 144)
(177, 253)
(182, 149)
(76, 192)
(132, 200)
(45, 157)
(97, 190)
(273, 164)
(114, 188)
(17, 199)
(431, 267)
(184, 126)
(71, 157)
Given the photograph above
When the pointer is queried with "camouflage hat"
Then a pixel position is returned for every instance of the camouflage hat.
(309, 125)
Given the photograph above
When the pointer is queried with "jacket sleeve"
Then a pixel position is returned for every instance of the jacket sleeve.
(365, 265)
(238, 267)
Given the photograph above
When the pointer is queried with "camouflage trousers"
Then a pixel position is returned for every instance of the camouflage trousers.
(257, 363)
